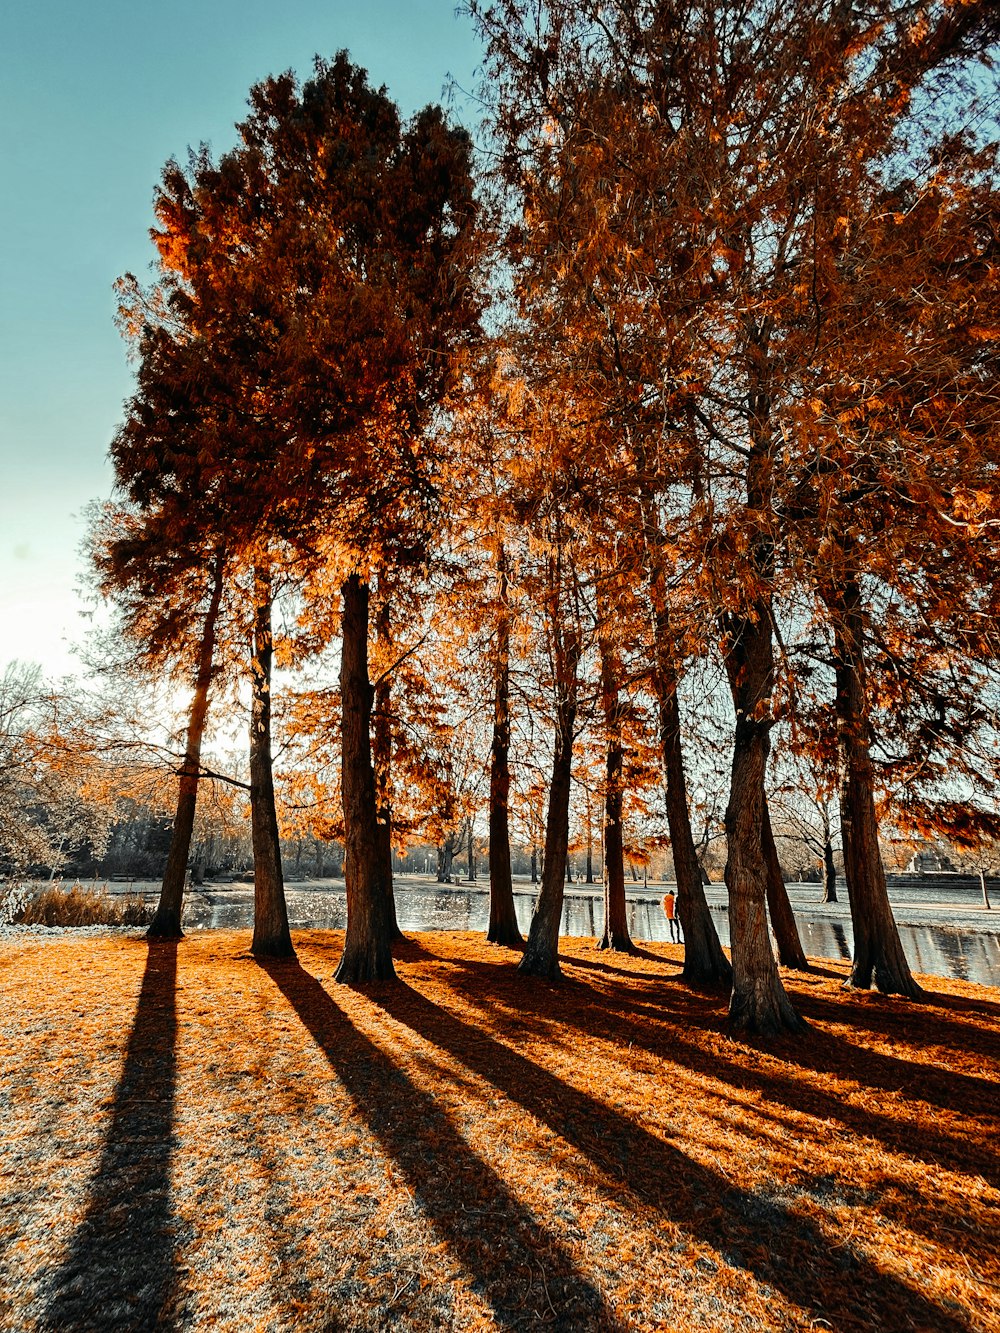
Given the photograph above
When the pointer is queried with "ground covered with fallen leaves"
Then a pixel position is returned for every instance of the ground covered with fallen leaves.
(190, 1139)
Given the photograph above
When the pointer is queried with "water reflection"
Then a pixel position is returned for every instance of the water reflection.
(936, 950)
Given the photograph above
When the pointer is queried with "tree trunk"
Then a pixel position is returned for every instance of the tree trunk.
(616, 933)
(758, 1003)
(878, 951)
(786, 932)
(534, 865)
(503, 927)
(271, 937)
(982, 885)
(829, 870)
(705, 964)
(370, 916)
(541, 953)
(166, 923)
(382, 759)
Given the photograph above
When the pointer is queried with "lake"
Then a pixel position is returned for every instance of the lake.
(936, 949)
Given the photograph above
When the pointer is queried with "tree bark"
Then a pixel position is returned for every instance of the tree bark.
(616, 932)
(503, 927)
(541, 953)
(829, 870)
(271, 937)
(705, 963)
(758, 1003)
(166, 923)
(786, 932)
(370, 915)
(985, 893)
(878, 951)
(382, 758)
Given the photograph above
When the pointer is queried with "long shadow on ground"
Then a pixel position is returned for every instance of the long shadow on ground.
(518, 1268)
(779, 1247)
(121, 1271)
(619, 1019)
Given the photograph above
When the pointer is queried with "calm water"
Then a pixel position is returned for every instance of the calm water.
(936, 950)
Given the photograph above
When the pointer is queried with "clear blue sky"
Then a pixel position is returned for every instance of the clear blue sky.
(93, 100)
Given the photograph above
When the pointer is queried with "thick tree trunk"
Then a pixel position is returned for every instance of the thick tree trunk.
(829, 872)
(878, 951)
(382, 761)
(166, 923)
(271, 937)
(786, 932)
(705, 964)
(616, 932)
(503, 927)
(758, 1003)
(370, 915)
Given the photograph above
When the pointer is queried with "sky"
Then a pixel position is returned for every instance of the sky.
(94, 98)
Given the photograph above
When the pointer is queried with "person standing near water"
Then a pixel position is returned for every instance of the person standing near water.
(670, 912)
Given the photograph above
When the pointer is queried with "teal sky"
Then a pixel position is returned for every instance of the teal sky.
(93, 100)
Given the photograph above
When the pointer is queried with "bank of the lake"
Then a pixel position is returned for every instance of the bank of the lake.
(945, 931)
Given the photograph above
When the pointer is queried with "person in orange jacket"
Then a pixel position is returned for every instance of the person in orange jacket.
(670, 912)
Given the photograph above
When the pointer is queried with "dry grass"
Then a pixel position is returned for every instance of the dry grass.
(83, 907)
(188, 1139)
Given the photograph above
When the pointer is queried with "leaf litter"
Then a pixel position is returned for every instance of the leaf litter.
(191, 1139)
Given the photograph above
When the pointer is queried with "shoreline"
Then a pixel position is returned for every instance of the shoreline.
(961, 917)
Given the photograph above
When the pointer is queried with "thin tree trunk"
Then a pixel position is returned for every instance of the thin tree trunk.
(541, 953)
(878, 951)
(982, 885)
(271, 937)
(166, 923)
(758, 1003)
(382, 758)
(786, 932)
(534, 865)
(829, 870)
(370, 917)
(616, 932)
(503, 927)
(705, 963)
(590, 843)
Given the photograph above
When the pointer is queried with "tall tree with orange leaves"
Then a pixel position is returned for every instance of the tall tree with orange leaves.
(329, 264)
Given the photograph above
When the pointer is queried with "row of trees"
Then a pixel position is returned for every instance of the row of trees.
(736, 405)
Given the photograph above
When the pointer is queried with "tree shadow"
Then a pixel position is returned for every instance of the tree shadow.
(614, 1018)
(518, 1268)
(121, 1269)
(602, 964)
(954, 1018)
(752, 1231)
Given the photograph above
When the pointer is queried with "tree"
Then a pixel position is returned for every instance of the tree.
(54, 798)
(328, 265)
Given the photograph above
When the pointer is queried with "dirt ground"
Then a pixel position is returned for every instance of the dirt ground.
(191, 1140)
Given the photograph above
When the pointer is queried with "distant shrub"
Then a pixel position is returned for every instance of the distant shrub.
(83, 907)
(13, 896)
